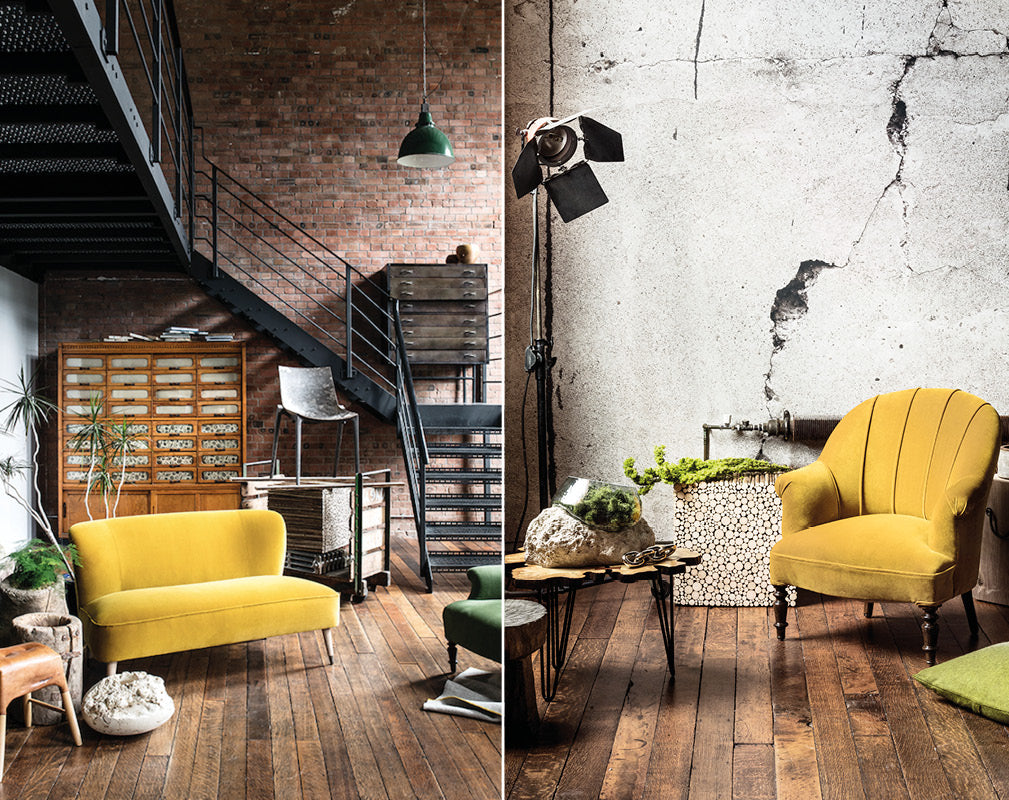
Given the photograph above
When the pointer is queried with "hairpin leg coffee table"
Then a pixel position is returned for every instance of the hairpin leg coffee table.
(551, 582)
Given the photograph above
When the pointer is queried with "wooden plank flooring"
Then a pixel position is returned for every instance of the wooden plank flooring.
(831, 712)
(272, 719)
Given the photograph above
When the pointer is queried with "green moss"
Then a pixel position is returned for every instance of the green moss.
(695, 470)
(606, 507)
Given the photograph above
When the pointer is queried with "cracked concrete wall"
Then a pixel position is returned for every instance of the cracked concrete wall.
(814, 209)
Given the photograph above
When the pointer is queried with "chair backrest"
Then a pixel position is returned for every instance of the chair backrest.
(309, 392)
(897, 453)
(170, 549)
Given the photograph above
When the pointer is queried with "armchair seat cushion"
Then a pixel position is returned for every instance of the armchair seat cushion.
(870, 557)
(164, 619)
(476, 625)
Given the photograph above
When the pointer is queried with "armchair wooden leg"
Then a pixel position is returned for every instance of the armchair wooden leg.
(453, 655)
(780, 611)
(968, 607)
(867, 610)
(930, 632)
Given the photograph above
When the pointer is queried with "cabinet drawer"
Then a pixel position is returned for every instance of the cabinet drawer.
(423, 290)
(400, 271)
(456, 342)
(446, 356)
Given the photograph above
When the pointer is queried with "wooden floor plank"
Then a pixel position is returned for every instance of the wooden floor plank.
(673, 744)
(753, 721)
(627, 771)
(711, 766)
(840, 778)
(796, 773)
(753, 772)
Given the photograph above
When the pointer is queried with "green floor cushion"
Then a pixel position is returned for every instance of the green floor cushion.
(978, 681)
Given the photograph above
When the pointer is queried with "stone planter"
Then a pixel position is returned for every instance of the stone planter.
(733, 523)
(62, 633)
(15, 602)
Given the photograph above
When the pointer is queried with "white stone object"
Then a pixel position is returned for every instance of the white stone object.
(556, 539)
(127, 704)
(733, 523)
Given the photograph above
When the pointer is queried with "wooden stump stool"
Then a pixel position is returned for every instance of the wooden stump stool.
(525, 626)
(23, 669)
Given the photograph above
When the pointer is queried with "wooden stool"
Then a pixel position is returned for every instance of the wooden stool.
(525, 626)
(23, 669)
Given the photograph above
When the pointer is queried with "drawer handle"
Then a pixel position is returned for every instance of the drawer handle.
(469, 322)
(407, 294)
(469, 294)
(406, 283)
(469, 272)
(467, 283)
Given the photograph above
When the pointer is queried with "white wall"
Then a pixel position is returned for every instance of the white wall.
(19, 337)
(824, 217)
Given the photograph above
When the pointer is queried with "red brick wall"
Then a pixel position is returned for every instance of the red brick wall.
(307, 103)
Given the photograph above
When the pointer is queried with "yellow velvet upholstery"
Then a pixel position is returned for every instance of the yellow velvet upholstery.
(162, 583)
(893, 508)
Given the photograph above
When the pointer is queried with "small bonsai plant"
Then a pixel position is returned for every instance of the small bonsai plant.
(39, 564)
(695, 470)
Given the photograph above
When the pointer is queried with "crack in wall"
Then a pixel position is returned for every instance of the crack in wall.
(697, 45)
(791, 303)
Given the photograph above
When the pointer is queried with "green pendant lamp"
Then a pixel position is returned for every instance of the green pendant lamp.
(425, 145)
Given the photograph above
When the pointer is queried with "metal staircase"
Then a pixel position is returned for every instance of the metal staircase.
(98, 169)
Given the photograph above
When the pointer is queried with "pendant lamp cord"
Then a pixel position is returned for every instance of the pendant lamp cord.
(423, 55)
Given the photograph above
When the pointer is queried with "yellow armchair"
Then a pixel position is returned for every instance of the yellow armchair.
(893, 508)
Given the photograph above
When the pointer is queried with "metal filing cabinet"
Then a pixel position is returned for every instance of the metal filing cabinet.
(443, 309)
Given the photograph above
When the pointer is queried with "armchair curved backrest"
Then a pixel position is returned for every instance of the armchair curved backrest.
(898, 453)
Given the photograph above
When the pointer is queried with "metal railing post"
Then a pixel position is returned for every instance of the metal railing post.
(178, 131)
(349, 321)
(192, 183)
(111, 32)
(156, 83)
(215, 272)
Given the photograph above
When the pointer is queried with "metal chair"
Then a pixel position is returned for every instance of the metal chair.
(308, 393)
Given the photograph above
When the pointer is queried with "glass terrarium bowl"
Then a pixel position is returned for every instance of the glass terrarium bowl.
(605, 506)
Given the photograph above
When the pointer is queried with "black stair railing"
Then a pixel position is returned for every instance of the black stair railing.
(258, 245)
(144, 36)
(414, 443)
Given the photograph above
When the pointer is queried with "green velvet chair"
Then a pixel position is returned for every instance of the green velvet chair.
(475, 623)
(893, 508)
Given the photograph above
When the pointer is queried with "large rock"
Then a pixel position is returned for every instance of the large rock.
(556, 539)
(127, 704)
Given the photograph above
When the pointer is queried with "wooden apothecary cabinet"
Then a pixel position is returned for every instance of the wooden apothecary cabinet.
(184, 403)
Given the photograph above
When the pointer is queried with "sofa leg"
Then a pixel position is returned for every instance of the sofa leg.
(968, 607)
(110, 668)
(453, 655)
(867, 609)
(327, 637)
(930, 632)
(780, 611)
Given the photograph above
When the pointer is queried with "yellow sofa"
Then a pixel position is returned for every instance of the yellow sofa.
(894, 506)
(163, 583)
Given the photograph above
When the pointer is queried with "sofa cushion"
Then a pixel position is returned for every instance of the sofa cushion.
(870, 557)
(167, 619)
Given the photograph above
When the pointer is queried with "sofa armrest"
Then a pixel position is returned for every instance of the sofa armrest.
(485, 582)
(957, 513)
(809, 497)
